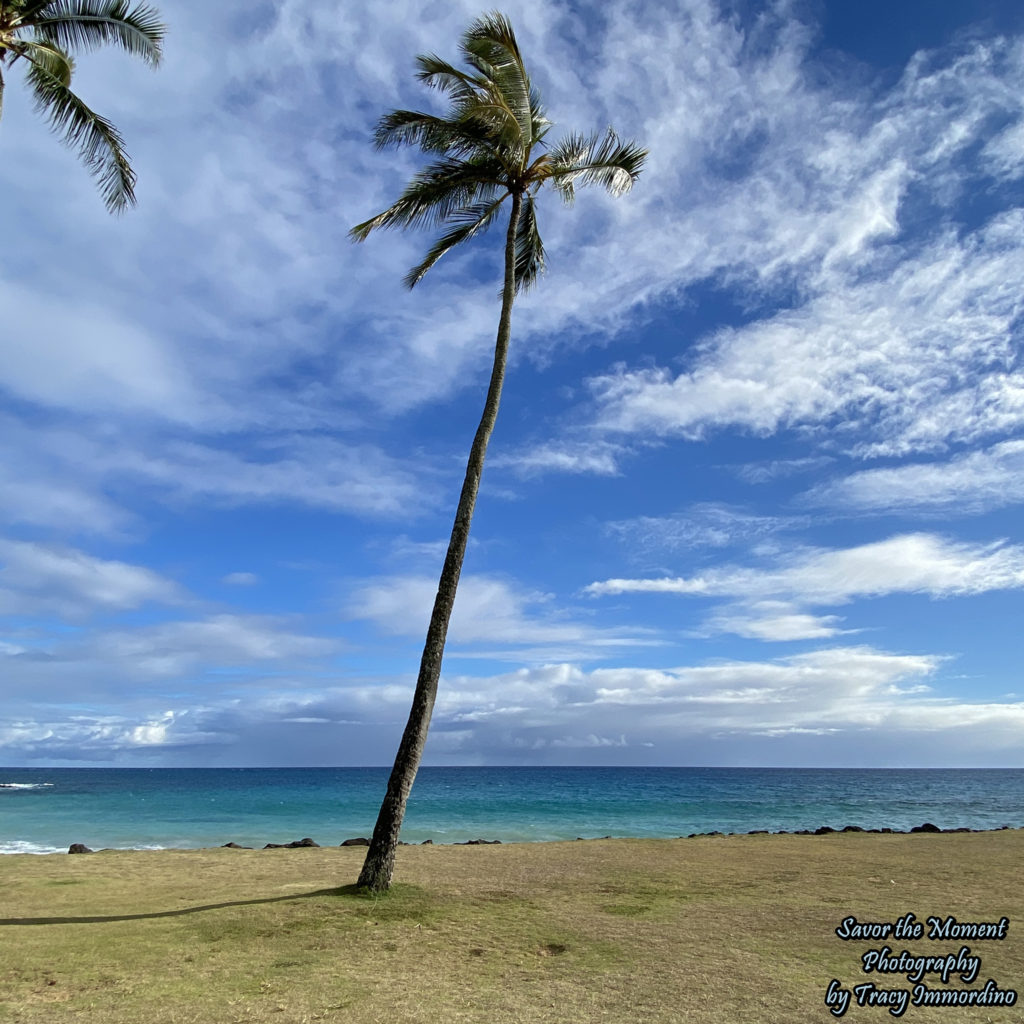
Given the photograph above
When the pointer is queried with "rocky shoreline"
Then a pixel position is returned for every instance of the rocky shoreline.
(822, 830)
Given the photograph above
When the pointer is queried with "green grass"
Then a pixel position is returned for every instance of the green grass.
(710, 930)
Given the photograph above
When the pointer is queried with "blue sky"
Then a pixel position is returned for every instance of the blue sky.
(754, 494)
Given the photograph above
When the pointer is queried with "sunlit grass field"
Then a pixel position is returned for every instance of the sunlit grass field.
(723, 929)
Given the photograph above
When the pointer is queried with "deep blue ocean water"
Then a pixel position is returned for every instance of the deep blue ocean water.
(44, 810)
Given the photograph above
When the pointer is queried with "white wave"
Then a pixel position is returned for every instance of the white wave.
(20, 846)
(25, 785)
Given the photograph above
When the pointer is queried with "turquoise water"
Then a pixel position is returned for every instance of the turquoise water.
(44, 810)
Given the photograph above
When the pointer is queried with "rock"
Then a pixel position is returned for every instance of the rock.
(235, 846)
(823, 830)
(926, 827)
(427, 842)
(274, 846)
(302, 842)
(758, 832)
(480, 842)
(852, 828)
(79, 848)
(356, 842)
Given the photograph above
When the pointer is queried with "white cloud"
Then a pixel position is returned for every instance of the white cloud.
(916, 359)
(89, 359)
(123, 667)
(488, 611)
(598, 457)
(773, 621)
(911, 563)
(172, 648)
(969, 483)
(852, 698)
(313, 470)
(72, 473)
(703, 525)
(39, 578)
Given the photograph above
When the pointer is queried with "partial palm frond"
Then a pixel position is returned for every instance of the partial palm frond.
(436, 194)
(431, 133)
(529, 249)
(610, 162)
(87, 24)
(49, 57)
(99, 144)
(439, 74)
(490, 45)
(471, 220)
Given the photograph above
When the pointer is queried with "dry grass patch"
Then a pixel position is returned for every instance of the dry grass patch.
(713, 930)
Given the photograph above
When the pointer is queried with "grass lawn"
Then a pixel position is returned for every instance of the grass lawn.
(724, 929)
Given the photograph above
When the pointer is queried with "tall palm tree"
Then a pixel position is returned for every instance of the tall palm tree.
(44, 34)
(489, 147)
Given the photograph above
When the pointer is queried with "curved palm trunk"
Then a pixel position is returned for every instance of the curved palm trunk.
(380, 857)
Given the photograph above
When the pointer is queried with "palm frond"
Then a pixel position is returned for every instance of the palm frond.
(439, 74)
(48, 57)
(529, 249)
(490, 45)
(436, 193)
(593, 161)
(431, 133)
(87, 24)
(471, 220)
(99, 144)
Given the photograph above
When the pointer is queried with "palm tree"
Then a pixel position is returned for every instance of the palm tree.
(44, 33)
(488, 148)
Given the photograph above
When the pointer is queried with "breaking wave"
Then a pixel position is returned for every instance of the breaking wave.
(20, 846)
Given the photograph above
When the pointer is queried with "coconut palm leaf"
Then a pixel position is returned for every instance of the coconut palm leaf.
(475, 218)
(609, 162)
(87, 24)
(98, 142)
(45, 34)
(437, 194)
(529, 248)
(439, 74)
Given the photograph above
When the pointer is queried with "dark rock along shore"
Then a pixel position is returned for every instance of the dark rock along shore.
(824, 830)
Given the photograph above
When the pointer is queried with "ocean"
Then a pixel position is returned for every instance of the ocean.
(44, 810)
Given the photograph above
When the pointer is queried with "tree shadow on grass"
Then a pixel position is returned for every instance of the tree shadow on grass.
(343, 890)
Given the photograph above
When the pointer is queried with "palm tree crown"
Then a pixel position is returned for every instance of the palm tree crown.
(44, 33)
(487, 151)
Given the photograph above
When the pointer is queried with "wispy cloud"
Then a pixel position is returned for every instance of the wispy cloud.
(917, 563)
(600, 458)
(46, 579)
(493, 618)
(704, 525)
(968, 484)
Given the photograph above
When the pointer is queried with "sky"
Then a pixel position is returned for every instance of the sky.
(754, 493)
